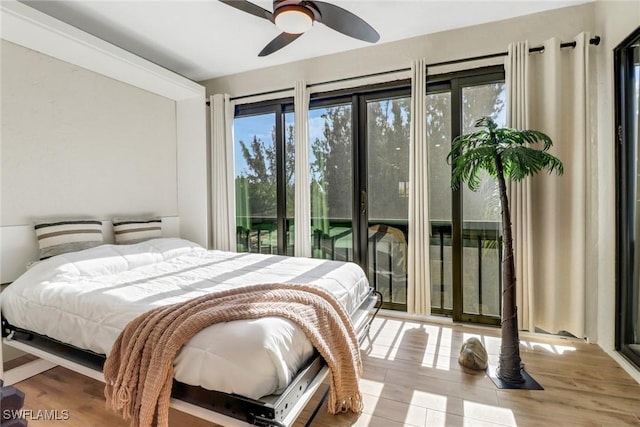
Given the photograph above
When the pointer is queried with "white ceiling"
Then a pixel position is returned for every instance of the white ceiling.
(204, 39)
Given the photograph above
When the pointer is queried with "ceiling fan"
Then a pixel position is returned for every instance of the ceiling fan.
(294, 17)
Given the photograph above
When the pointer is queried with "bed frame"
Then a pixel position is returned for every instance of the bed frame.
(18, 246)
(222, 408)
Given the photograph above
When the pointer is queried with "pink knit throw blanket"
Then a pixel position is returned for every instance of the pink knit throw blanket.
(139, 370)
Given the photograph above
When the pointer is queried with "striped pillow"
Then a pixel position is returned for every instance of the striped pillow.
(127, 231)
(57, 237)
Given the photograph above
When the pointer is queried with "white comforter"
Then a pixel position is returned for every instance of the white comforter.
(86, 298)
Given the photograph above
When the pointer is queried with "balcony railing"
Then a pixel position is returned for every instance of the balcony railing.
(482, 268)
(387, 265)
(261, 238)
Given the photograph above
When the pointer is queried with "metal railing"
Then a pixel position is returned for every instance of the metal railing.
(485, 238)
(387, 270)
(260, 238)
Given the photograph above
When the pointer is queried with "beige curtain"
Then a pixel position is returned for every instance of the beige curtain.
(419, 286)
(223, 197)
(517, 115)
(563, 210)
(302, 219)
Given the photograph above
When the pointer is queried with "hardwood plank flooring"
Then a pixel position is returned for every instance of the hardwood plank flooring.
(412, 378)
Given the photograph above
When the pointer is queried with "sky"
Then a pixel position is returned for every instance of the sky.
(262, 125)
(244, 128)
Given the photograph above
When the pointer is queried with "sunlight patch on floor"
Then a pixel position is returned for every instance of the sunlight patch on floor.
(433, 401)
(491, 344)
(437, 342)
(438, 349)
(488, 413)
(551, 348)
(440, 361)
(434, 341)
(371, 387)
(436, 418)
(428, 388)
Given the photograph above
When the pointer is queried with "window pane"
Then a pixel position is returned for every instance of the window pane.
(255, 172)
(331, 182)
(388, 196)
(481, 212)
(439, 145)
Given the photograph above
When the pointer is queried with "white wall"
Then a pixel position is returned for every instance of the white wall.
(75, 142)
(193, 178)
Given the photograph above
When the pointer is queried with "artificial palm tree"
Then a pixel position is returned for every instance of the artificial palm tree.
(504, 154)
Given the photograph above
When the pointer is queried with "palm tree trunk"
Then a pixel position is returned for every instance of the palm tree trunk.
(509, 366)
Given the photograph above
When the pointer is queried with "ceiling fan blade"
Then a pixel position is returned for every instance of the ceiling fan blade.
(249, 7)
(278, 43)
(345, 22)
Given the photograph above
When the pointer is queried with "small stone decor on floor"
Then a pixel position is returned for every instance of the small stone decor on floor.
(473, 355)
(11, 402)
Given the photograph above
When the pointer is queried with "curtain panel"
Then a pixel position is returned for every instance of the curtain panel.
(302, 218)
(562, 212)
(223, 197)
(419, 280)
(517, 117)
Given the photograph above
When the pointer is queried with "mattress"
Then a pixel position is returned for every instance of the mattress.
(86, 298)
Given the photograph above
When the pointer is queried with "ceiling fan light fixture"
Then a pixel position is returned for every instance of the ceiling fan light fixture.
(293, 19)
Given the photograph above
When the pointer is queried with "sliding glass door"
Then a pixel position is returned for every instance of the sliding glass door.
(359, 147)
(481, 213)
(387, 195)
(331, 165)
(466, 242)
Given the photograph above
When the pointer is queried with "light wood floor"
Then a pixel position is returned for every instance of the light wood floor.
(412, 378)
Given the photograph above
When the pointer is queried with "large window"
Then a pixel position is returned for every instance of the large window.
(465, 236)
(359, 188)
(264, 178)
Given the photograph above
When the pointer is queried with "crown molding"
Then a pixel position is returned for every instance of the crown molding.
(25, 26)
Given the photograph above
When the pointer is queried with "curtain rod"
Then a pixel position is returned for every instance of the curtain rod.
(594, 41)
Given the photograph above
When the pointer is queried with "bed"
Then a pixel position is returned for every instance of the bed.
(80, 302)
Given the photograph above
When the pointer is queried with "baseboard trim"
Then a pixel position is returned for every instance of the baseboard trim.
(629, 368)
(395, 314)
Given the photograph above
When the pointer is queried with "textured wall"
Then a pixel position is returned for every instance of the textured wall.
(75, 142)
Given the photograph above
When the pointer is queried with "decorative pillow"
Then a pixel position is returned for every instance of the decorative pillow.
(57, 237)
(129, 231)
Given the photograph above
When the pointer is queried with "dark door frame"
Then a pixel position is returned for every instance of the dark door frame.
(627, 216)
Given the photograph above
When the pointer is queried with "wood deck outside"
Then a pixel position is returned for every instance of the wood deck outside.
(412, 378)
